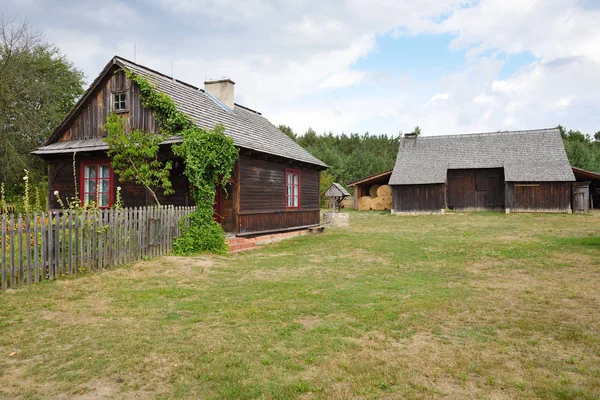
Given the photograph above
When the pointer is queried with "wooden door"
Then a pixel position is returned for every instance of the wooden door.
(581, 198)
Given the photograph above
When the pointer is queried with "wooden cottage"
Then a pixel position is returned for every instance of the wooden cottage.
(521, 171)
(275, 183)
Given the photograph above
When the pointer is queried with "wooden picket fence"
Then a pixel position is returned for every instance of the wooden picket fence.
(41, 246)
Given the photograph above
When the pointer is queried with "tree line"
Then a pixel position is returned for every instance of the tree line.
(582, 149)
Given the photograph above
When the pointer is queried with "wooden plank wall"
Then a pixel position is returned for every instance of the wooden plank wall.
(41, 246)
(273, 221)
(89, 122)
(418, 198)
(262, 191)
(60, 177)
(538, 196)
(475, 189)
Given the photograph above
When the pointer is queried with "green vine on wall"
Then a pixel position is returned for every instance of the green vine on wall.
(209, 157)
(135, 157)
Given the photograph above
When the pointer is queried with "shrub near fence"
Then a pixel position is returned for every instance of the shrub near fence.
(40, 246)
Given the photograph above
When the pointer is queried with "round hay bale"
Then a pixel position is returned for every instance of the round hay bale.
(388, 202)
(373, 191)
(378, 204)
(348, 203)
(384, 191)
(364, 203)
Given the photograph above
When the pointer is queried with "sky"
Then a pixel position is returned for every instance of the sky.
(355, 66)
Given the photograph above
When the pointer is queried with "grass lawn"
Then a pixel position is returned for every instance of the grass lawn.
(482, 305)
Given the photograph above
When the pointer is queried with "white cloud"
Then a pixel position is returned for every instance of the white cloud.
(438, 97)
(565, 102)
(294, 59)
(342, 79)
(502, 86)
(484, 98)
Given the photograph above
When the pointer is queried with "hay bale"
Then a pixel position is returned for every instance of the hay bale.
(364, 203)
(384, 191)
(378, 204)
(388, 202)
(373, 191)
(348, 203)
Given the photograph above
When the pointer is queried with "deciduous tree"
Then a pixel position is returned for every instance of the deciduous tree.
(38, 86)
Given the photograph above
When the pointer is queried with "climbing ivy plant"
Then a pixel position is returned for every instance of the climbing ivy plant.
(209, 158)
(135, 157)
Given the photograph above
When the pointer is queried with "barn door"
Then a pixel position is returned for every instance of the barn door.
(453, 191)
(580, 198)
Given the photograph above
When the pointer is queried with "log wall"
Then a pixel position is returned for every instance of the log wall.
(261, 202)
(418, 198)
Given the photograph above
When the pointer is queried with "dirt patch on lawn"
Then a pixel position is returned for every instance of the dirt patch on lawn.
(171, 266)
(309, 322)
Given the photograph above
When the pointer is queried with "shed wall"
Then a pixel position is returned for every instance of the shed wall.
(418, 198)
(538, 196)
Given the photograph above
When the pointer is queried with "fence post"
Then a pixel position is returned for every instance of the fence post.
(43, 241)
(12, 249)
(36, 253)
(20, 260)
(28, 246)
(3, 238)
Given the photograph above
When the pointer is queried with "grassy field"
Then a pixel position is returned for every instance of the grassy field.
(454, 306)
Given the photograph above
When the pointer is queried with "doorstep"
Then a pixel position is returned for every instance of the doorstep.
(239, 244)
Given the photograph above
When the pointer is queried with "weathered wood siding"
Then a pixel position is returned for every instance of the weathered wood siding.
(262, 197)
(538, 196)
(61, 178)
(418, 198)
(475, 189)
(89, 122)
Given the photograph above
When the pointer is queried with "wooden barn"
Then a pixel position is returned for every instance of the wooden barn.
(275, 184)
(520, 171)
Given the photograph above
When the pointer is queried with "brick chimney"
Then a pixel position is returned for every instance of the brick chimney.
(222, 90)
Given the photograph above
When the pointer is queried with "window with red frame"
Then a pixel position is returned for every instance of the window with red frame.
(292, 179)
(96, 182)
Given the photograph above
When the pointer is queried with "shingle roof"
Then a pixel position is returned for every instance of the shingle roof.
(526, 156)
(336, 190)
(247, 128)
(374, 177)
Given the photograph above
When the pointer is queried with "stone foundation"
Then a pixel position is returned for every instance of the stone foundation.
(336, 219)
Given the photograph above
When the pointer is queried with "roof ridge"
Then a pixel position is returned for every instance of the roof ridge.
(497, 133)
(178, 80)
(248, 109)
(158, 73)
